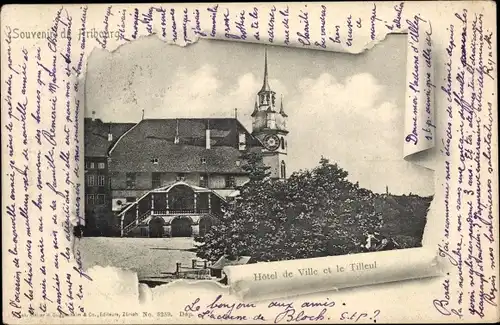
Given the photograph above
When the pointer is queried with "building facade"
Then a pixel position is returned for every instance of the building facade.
(173, 173)
(99, 138)
(159, 152)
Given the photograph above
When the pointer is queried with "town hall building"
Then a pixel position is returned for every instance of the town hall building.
(172, 177)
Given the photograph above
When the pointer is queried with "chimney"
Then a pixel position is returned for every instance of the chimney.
(93, 116)
(176, 138)
(242, 142)
(110, 135)
(207, 136)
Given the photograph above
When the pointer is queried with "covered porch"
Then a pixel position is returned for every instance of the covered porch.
(179, 203)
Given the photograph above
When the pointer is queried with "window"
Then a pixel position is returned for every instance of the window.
(282, 143)
(100, 199)
(130, 180)
(283, 169)
(230, 181)
(101, 165)
(90, 180)
(203, 181)
(156, 180)
(90, 199)
(100, 180)
(181, 177)
(89, 165)
(130, 199)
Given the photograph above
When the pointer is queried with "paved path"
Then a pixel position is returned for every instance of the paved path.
(149, 257)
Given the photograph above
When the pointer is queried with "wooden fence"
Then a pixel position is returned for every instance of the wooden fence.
(197, 270)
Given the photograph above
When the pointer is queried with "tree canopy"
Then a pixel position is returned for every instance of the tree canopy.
(313, 213)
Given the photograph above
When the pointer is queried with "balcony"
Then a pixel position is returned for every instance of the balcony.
(162, 212)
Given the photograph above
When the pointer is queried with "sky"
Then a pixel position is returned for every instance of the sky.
(347, 108)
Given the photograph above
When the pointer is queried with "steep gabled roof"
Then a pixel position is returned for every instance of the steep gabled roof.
(154, 139)
(96, 142)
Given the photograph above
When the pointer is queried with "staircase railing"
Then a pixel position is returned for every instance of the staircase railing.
(129, 227)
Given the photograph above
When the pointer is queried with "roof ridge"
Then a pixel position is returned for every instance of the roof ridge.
(103, 122)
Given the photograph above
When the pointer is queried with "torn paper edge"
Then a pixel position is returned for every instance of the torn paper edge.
(420, 122)
(242, 287)
(373, 44)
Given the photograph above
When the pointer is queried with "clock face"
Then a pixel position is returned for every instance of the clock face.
(272, 142)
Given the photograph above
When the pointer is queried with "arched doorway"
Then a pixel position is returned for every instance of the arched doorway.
(181, 227)
(156, 228)
(205, 224)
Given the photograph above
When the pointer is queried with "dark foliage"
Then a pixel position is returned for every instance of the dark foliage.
(313, 213)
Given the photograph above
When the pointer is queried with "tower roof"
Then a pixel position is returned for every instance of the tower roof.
(255, 109)
(265, 84)
(282, 111)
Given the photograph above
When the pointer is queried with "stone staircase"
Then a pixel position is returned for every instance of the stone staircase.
(131, 226)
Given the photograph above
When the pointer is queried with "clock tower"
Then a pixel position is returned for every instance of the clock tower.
(269, 126)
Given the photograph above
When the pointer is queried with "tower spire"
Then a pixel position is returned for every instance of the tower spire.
(265, 85)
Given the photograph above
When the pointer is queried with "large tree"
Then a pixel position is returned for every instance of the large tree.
(314, 213)
(405, 217)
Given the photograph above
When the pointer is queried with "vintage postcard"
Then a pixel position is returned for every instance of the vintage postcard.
(250, 163)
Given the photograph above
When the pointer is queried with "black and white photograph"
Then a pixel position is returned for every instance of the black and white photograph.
(228, 153)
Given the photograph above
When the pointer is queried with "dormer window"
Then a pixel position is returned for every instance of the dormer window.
(203, 181)
(238, 163)
(154, 161)
(203, 160)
